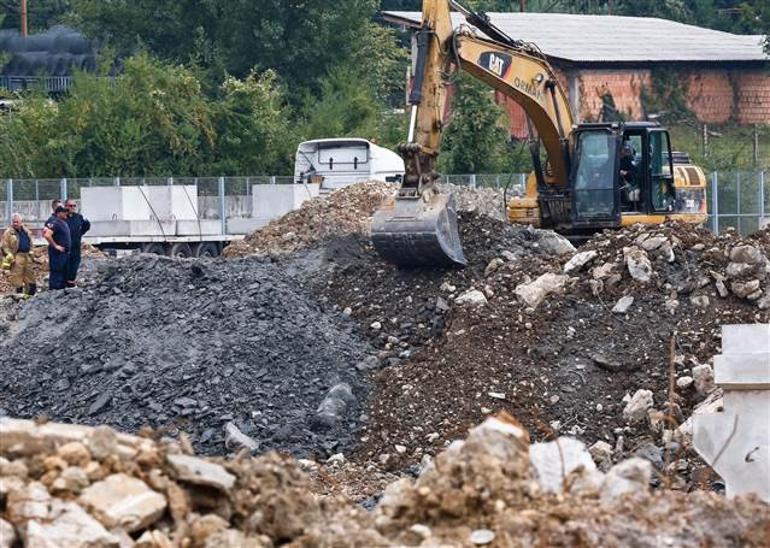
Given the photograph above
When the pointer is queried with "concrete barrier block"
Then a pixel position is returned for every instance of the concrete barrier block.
(747, 338)
(736, 441)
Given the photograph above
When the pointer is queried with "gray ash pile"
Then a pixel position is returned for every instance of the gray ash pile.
(189, 346)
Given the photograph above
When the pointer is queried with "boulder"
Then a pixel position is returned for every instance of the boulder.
(638, 264)
(747, 254)
(534, 292)
(7, 534)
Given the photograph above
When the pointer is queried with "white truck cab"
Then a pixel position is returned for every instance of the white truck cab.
(336, 163)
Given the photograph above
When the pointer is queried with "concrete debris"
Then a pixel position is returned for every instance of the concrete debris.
(638, 264)
(623, 304)
(478, 492)
(473, 297)
(235, 440)
(637, 407)
(200, 472)
(579, 261)
(122, 501)
(533, 293)
(554, 461)
(703, 378)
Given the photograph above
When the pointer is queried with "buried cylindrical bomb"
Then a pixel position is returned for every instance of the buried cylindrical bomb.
(334, 406)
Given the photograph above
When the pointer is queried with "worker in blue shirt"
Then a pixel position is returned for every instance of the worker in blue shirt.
(57, 234)
(78, 226)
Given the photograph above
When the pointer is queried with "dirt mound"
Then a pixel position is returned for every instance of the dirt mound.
(401, 309)
(188, 345)
(345, 211)
(521, 330)
(67, 485)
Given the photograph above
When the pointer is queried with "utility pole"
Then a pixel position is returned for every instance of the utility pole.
(24, 18)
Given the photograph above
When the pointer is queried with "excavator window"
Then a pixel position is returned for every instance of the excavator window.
(594, 190)
(661, 172)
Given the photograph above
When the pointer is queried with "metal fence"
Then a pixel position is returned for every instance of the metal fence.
(736, 199)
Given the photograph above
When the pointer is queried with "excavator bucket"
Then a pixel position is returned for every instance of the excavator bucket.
(412, 232)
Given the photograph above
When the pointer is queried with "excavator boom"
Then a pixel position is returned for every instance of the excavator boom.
(419, 226)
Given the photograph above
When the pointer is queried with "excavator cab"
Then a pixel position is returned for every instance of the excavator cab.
(622, 174)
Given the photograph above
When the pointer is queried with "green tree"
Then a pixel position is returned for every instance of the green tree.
(476, 139)
(345, 108)
(254, 127)
(302, 40)
(152, 120)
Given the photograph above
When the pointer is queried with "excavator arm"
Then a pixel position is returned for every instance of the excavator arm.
(419, 227)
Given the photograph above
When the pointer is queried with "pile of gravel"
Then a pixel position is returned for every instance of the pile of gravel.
(183, 345)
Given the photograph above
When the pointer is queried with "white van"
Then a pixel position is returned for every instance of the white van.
(336, 163)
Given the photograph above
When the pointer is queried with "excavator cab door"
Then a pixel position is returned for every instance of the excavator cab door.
(595, 189)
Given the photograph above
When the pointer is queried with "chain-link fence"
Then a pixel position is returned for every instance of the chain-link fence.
(735, 199)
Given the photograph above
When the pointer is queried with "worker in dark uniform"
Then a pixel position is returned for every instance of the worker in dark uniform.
(628, 175)
(57, 234)
(78, 226)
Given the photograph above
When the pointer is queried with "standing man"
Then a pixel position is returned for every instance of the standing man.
(16, 249)
(57, 234)
(78, 226)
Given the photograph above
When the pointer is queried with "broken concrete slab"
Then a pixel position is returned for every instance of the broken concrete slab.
(67, 526)
(554, 461)
(201, 472)
(123, 501)
(534, 292)
(580, 260)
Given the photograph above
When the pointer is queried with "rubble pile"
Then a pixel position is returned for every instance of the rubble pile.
(578, 344)
(69, 485)
(482, 200)
(234, 353)
(345, 211)
(401, 309)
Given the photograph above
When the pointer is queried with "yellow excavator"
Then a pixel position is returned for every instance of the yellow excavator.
(594, 176)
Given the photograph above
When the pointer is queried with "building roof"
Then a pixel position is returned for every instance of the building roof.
(615, 39)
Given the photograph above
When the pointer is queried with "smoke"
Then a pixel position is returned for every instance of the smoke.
(56, 52)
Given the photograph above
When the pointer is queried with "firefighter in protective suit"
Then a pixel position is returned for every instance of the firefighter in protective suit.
(16, 249)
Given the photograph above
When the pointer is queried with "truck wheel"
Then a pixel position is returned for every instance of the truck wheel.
(181, 250)
(206, 249)
(154, 248)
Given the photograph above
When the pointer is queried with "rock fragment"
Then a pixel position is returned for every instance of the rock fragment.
(201, 472)
(636, 409)
(124, 501)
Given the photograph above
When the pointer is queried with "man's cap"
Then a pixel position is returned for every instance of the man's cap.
(61, 209)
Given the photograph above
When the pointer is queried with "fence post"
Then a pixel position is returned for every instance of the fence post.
(170, 181)
(761, 198)
(9, 200)
(222, 212)
(738, 199)
(63, 188)
(272, 179)
(715, 202)
(116, 181)
(472, 181)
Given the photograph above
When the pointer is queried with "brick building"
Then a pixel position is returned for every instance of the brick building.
(610, 63)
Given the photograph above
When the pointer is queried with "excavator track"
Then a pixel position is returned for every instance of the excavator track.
(412, 231)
